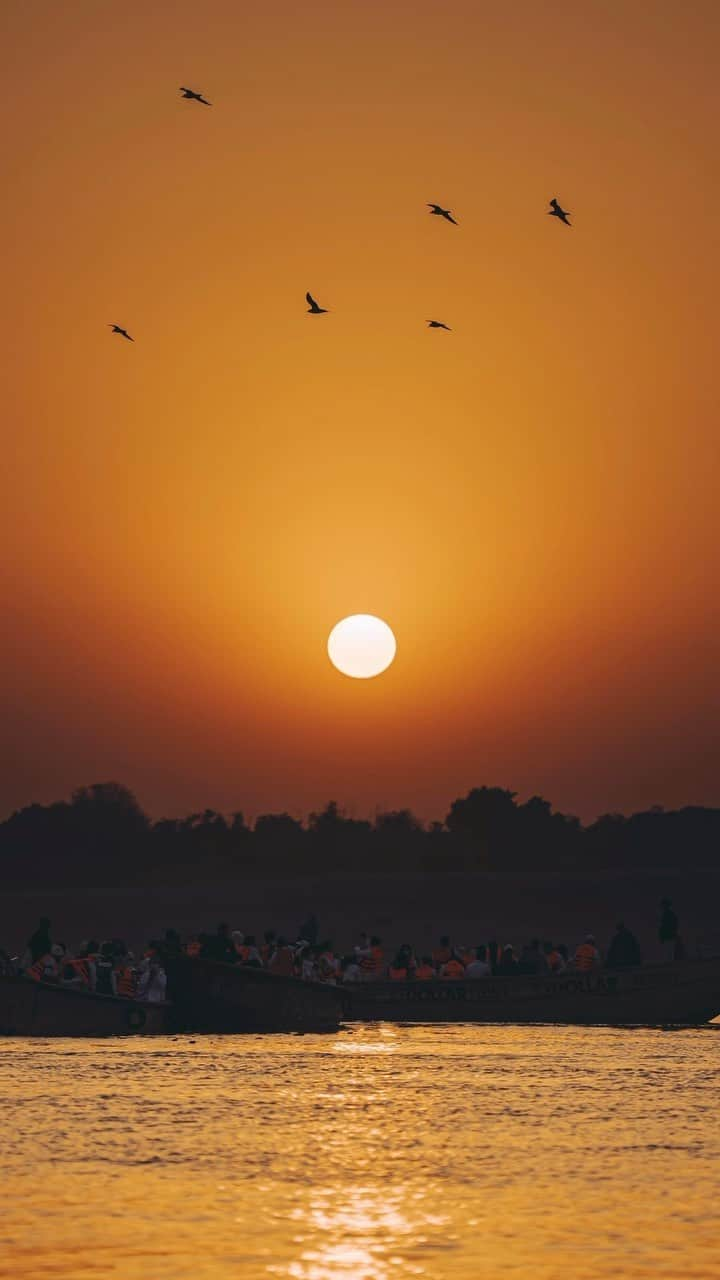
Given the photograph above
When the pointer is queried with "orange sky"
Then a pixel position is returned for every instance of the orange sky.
(530, 501)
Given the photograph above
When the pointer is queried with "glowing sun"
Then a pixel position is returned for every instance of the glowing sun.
(361, 646)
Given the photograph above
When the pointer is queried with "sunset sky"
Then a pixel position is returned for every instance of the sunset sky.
(530, 501)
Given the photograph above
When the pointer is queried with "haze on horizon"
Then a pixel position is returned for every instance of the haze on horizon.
(530, 501)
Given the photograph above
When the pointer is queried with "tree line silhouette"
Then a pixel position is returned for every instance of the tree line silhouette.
(101, 836)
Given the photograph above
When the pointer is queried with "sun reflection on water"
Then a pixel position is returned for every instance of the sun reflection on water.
(382, 1153)
(364, 1238)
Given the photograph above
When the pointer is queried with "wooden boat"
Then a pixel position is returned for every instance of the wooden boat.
(210, 995)
(686, 993)
(29, 1008)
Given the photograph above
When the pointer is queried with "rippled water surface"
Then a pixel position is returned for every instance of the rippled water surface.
(381, 1152)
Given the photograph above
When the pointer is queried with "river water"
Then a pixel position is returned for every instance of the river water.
(380, 1153)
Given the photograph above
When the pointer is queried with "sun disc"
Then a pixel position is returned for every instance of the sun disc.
(361, 646)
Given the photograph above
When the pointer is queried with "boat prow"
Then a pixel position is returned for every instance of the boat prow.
(29, 1008)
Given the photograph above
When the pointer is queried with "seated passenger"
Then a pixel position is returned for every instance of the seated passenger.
(371, 959)
(350, 969)
(268, 946)
(532, 959)
(251, 953)
(479, 967)
(105, 970)
(126, 977)
(587, 956)
(557, 962)
(453, 970)
(282, 959)
(443, 953)
(306, 958)
(327, 965)
(425, 971)
(45, 968)
(508, 965)
(76, 972)
(624, 950)
(153, 983)
(398, 970)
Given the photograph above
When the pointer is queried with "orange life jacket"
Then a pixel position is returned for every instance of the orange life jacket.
(555, 961)
(440, 956)
(453, 970)
(125, 982)
(425, 972)
(372, 963)
(37, 970)
(283, 962)
(243, 952)
(193, 949)
(585, 957)
(80, 969)
(397, 975)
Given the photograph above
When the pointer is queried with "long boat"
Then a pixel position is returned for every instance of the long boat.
(29, 1008)
(681, 994)
(210, 995)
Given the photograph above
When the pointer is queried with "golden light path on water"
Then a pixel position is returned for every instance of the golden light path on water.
(378, 1154)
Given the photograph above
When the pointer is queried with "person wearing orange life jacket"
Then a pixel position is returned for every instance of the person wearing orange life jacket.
(126, 979)
(251, 952)
(371, 959)
(44, 969)
(268, 946)
(193, 948)
(443, 953)
(282, 961)
(398, 969)
(453, 969)
(327, 964)
(76, 972)
(587, 956)
(424, 971)
(556, 960)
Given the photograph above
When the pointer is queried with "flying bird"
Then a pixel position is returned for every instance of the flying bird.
(438, 210)
(123, 332)
(438, 324)
(314, 309)
(192, 96)
(556, 211)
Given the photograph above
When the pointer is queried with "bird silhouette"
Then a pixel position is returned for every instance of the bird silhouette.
(123, 332)
(192, 96)
(314, 309)
(556, 211)
(438, 324)
(438, 210)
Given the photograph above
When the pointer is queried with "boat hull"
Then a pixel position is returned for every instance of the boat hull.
(30, 1008)
(209, 995)
(655, 995)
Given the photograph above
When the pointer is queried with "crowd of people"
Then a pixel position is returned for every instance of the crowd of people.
(111, 968)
